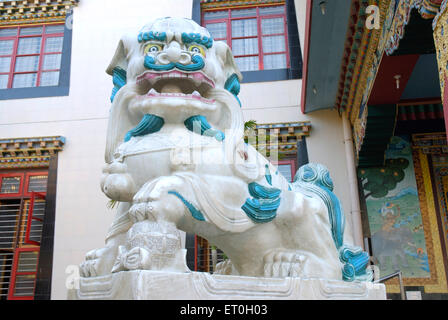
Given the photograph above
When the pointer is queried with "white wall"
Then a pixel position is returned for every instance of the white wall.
(82, 218)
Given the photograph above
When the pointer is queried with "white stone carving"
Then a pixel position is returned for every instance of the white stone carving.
(169, 172)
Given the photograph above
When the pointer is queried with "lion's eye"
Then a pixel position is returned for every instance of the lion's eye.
(196, 49)
(153, 48)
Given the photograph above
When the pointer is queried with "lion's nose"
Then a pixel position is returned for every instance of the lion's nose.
(174, 54)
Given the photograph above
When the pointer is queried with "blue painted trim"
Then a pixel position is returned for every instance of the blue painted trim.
(200, 122)
(261, 192)
(149, 124)
(119, 80)
(151, 36)
(198, 64)
(261, 210)
(233, 86)
(197, 38)
(63, 89)
(194, 212)
(268, 175)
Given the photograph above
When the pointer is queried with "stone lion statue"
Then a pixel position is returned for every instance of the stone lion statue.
(176, 160)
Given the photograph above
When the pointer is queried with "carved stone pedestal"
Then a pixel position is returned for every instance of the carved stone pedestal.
(157, 285)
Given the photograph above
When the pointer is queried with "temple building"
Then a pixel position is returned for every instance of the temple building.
(383, 68)
(333, 82)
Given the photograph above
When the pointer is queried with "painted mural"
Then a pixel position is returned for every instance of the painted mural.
(393, 208)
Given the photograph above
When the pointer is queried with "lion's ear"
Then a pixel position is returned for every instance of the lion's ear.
(225, 55)
(121, 56)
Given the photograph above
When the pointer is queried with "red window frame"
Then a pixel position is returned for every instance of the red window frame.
(30, 217)
(41, 54)
(15, 273)
(291, 162)
(261, 54)
(27, 193)
(22, 183)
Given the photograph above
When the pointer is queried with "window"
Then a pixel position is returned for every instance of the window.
(30, 56)
(22, 211)
(257, 35)
(287, 168)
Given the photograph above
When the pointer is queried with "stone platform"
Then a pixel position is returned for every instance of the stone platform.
(155, 285)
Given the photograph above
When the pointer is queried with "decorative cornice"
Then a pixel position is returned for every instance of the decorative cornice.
(286, 137)
(34, 11)
(29, 152)
(221, 4)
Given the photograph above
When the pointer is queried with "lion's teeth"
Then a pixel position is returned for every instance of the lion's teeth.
(196, 94)
(152, 92)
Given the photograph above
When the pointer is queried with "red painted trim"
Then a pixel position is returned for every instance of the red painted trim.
(195, 253)
(30, 217)
(14, 274)
(259, 35)
(291, 162)
(8, 175)
(44, 36)
(445, 103)
(27, 182)
(306, 52)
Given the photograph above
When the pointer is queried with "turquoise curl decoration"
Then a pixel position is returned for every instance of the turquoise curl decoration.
(151, 36)
(197, 38)
(314, 179)
(149, 124)
(200, 125)
(197, 64)
(268, 175)
(233, 86)
(119, 80)
(194, 212)
(263, 205)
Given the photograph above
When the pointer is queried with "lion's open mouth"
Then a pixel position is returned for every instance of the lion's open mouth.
(175, 84)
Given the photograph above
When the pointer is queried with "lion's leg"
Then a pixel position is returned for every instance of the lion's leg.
(99, 262)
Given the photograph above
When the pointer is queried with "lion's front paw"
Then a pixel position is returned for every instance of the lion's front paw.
(141, 211)
(97, 262)
(283, 263)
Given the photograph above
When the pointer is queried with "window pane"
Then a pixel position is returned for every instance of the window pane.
(244, 13)
(24, 80)
(51, 62)
(24, 286)
(213, 15)
(9, 216)
(217, 30)
(49, 79)
(6, 47)
(10, 32)
(31, 31)
(245, 46)
(10, 185)
(29, 45)
(54, 29)
(37, 183)
(53, 44)
(5, 64)
(30, 63)
(285, 170)
(274, 61)
(273, 44)
(244, 28)
(271, 26)
(3, 81)
(27, 261)
(272, 10)
(247, 63)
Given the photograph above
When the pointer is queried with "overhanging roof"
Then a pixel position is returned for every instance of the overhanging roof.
(324, 49)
